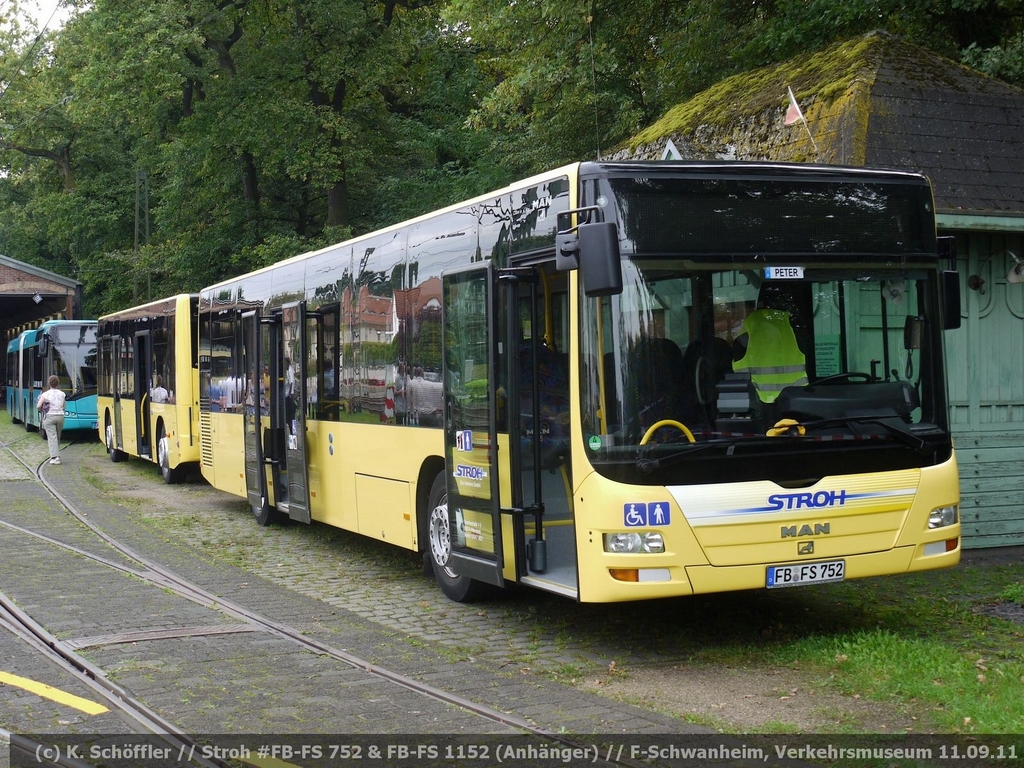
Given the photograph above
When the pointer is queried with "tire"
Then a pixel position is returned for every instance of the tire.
(170, 476)
(116, 455)
(461, 589)
(263, 513)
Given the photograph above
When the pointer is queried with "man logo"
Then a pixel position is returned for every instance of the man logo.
(819, 529)
(805, 548)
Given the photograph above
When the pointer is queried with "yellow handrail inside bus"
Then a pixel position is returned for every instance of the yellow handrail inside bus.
(549, 336)
(600, 366)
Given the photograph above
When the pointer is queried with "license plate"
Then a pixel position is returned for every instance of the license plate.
(804, 573)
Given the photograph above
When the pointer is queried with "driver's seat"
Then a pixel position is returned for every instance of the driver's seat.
(659, 380)
(772, 356)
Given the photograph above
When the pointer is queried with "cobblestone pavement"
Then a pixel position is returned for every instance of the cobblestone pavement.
(348, 592)
(519, 652)
(521, 631)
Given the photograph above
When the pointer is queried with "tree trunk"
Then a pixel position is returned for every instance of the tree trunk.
(337, 203)
(250, 182)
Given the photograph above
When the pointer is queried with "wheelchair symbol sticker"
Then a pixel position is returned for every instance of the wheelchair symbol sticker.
(638, 514)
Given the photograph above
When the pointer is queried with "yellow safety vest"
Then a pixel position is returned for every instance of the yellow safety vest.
(773, 358)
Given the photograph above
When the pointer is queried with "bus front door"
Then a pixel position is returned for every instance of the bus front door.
(469, 374)
(143, 376)
(21, 399)
(116, 440)
(539, 417)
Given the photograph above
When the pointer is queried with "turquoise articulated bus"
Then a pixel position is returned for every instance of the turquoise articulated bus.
(62, 348)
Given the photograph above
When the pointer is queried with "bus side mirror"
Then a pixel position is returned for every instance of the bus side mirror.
(949, 285)
(43, 345)
(600, 264)
(592, 247)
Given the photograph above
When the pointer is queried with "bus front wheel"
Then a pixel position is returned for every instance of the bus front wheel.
(264, 513)
(461, 589)
(112, 450)
(163, 453)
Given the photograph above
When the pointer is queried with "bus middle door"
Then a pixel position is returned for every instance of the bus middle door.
(254, 413)
(292, 394)
(276, 426)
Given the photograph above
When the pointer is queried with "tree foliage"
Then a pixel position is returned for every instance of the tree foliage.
(153, 146)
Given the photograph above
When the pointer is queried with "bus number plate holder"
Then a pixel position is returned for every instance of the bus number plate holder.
(805, 573)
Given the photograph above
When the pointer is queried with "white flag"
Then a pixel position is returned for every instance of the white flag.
(793, 113)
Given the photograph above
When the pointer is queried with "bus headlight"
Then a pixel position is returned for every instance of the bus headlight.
(940, 517)
(631, 543)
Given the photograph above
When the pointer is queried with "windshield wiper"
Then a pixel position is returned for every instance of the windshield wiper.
(894, 425)
(646, 465)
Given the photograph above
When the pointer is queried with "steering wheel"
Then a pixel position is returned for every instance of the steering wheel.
(667, 423)
(848, 376)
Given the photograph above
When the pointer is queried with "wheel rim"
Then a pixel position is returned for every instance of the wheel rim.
(110, 437)
(441, 536)
(161, 453)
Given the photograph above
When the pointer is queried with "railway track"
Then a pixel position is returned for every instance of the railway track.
(247, 629)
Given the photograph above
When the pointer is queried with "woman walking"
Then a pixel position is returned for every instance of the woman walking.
(51, 405)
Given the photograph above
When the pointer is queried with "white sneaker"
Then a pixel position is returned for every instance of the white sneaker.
(55, 460)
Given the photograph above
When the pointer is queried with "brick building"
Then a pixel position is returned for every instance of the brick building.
(29, 295)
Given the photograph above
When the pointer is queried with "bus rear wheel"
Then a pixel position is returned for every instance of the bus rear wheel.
(461, 589)
(112, 450)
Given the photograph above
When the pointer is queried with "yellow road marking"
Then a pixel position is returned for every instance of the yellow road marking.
(54, 694)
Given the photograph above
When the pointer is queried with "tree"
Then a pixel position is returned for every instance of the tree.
(54, 214)
(264, 128)
(571, 79)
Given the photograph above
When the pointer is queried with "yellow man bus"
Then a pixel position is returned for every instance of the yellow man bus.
(148, 383)
(613, 381)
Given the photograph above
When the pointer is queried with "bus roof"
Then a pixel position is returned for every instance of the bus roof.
(149, 306)
(719, 168)
(755, 169)
(566, 170)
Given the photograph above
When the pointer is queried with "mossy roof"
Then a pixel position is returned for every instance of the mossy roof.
(873, 101)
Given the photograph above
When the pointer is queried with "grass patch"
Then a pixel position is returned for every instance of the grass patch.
(961, 691)
(1014, 593)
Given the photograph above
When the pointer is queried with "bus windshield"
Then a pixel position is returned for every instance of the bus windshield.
(74, 358)
(774, 323)
(726, 362)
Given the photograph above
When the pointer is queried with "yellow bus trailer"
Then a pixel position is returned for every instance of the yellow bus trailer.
(148, 402)
(613, 381)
